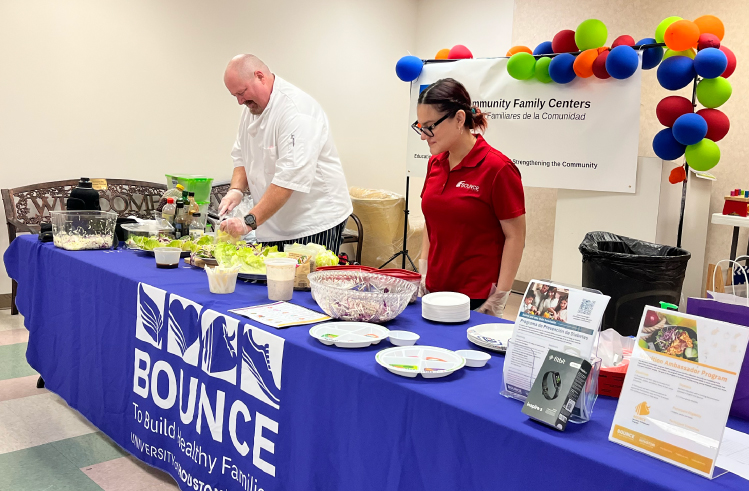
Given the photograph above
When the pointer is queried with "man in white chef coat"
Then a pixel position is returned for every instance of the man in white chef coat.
(285, 155)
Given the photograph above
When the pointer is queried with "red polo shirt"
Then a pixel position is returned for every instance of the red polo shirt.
(462, 209)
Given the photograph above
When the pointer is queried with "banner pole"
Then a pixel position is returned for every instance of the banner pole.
(686, 179)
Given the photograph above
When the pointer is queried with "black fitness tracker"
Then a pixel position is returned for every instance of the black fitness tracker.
(556, 380)
(250, 221)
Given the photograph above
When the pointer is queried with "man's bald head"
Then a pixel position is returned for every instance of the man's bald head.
(250, 81)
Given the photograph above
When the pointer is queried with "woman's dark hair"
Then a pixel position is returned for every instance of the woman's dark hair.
(559, 305)
(449, 96)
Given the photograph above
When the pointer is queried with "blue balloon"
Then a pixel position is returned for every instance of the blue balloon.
(666, 147)
(408, 68)
(622, 62)
(710, 63)
(676, 72)
(560, 68)
(689, 128)
(651, 57)
(543, 49)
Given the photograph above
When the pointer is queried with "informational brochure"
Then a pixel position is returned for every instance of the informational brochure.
(551, 317)
(679, 387)
(281, 314)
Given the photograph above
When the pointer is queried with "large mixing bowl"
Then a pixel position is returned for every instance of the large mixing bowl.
(360, 296)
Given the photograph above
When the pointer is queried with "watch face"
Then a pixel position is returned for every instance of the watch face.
(249, 220)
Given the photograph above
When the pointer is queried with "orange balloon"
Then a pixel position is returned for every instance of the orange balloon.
(442, 54)
(583, 65)
(681, 35)
(711, 25)
(519, 49)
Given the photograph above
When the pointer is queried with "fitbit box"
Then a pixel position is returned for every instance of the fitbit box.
(556, 389)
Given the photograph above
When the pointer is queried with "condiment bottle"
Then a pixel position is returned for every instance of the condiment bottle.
(169, 210)
(196, 227)
(181, 227)
(194, 208)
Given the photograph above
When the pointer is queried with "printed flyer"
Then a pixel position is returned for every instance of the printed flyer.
(552, 317)
(679, 386)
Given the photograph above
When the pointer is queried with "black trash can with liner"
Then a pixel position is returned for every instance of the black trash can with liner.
(634, 274)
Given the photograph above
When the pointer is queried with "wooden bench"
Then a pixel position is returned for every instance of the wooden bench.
(27, 207)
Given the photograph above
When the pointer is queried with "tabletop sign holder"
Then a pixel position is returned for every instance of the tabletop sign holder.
(679, 388)
(582, 300)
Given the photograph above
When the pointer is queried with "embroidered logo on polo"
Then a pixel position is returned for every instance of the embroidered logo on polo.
(214, 342)
(465, 185)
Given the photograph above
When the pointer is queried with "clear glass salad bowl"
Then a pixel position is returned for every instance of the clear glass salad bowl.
(360, 296)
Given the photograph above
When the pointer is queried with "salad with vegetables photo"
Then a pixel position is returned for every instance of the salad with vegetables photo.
(670, 334)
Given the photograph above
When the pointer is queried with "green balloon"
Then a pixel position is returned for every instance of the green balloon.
(704, 155)
(590, 34)
(542, 69)
(661, 29)
(687, 52)
(521, 66)
(713, 92)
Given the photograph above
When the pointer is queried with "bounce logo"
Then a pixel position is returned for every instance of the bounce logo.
(191, 367)
(215, 335)
(642, 409)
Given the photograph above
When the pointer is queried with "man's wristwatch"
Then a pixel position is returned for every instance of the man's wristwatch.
(556, 380)
(250, 221)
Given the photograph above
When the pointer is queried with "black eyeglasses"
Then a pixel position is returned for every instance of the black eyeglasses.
(428, 130)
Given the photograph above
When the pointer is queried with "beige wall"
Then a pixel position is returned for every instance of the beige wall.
(538, 20)
(134, 89)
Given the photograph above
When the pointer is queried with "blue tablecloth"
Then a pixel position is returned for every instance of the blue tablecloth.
(338, 421)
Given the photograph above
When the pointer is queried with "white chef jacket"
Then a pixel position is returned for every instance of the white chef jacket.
(290, 145)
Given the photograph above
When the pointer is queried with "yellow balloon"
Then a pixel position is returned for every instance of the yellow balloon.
(687, 52)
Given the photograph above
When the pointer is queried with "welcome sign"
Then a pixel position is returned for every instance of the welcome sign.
(206, 394)
(581, 135)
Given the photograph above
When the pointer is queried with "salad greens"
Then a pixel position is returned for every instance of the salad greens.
(228, 251)
(150, 243)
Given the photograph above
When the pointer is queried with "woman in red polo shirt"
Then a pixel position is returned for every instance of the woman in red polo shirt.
(472, 201)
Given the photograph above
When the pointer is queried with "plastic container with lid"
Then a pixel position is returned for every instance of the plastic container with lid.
(83, 230)
(200, 185)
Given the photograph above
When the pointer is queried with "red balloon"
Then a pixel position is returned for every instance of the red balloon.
(459, 52)
(564, 42)
(599, 65)
(731, 62)
(717, 123)
(708, 40)
(671, 107)
(625, 39)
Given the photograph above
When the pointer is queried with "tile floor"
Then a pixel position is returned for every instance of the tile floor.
(45, 445)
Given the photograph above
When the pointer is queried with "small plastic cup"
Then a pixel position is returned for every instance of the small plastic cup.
(222, 280)
(167, 257)
(280, 273)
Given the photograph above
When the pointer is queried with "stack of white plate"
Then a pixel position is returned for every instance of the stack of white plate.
(446, 307)
(493, 337)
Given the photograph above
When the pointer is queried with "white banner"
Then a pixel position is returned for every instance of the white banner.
(581, 135)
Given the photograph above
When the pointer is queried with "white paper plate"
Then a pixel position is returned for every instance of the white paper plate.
(447, 319)
(445, 300)
(427, 361)
(492, 336)
(349, 334)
